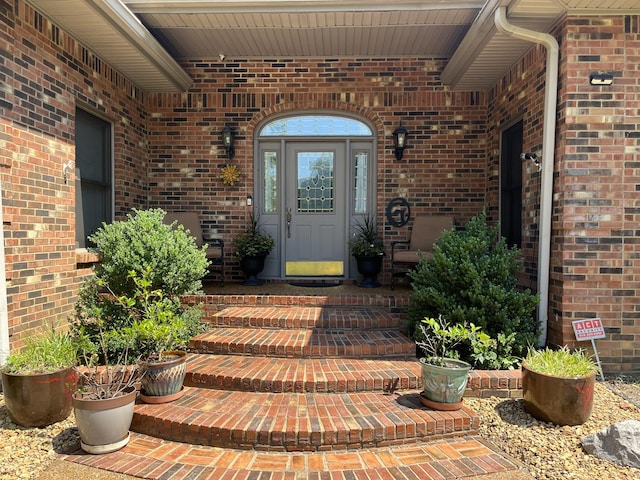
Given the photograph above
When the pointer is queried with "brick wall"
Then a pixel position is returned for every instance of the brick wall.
(442, 171)
(596, 213)
(44, 75)
(595, 218)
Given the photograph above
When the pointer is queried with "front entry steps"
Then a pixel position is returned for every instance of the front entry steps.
(301, 378)
(312, 418)
(299, 422)
(451, 458)
(307, 375)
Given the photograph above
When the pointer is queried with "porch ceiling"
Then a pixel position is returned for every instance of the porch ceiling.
(145, 39)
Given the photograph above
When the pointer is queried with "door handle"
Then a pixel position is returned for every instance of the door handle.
(289, 223)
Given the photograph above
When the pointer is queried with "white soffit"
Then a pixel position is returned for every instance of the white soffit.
(144, 38)
(111, 31)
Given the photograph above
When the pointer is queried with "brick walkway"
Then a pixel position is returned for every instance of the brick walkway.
(306, 387)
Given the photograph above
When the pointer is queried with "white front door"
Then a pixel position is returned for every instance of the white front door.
(315, 209)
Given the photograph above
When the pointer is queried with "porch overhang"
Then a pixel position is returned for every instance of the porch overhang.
(146, 39)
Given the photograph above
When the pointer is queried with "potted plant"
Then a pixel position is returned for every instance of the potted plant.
(104, 403)
(159, 332)
(368, 249)
(558, 385)
(444, 377)
(39, 380)
(251, 247)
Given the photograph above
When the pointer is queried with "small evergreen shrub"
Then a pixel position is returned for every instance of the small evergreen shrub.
(144, 266)
(470, 278)
(144, 240)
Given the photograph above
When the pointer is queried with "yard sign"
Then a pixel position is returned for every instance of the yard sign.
(590, 329)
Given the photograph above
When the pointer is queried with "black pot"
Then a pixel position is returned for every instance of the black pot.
(252, 266)
(369, 267)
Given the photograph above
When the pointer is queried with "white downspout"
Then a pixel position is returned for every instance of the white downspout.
(4, 315)
(548, 154)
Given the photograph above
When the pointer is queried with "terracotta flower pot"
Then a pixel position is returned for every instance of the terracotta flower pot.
(559, 400)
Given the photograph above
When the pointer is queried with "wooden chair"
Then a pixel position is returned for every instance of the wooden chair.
(215, 246)
(425, 233)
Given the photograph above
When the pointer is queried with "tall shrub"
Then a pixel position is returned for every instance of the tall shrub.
(471, 278)
(139, 247)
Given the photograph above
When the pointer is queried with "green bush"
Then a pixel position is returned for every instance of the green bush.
(438, 340)
(560, 363)
(143, 240)
(44, 353)
(144, 266)
(470, 278)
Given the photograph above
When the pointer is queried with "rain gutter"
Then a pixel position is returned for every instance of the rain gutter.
(4, 315)
(548, 151)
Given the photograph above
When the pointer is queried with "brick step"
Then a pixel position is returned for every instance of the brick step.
(298, 317)
(304, 343)
(299, 422)
(451, 458)
(270, 374)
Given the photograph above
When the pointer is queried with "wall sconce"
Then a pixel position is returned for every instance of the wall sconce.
(399, 141)
(533, 157)
(600, 79)
(227, 137)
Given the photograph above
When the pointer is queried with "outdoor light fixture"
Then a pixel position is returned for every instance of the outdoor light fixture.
(399, 140)
(601, 79)
(227, 137)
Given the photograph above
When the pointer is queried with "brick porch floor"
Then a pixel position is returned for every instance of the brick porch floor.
(312, 385)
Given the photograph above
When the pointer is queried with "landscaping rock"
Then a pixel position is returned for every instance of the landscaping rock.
(619, 443)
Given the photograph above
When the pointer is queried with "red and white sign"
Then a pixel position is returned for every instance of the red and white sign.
(588, 329)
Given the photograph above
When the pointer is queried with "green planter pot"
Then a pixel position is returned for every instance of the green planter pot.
(559, 400)
(162, 381)
(444, 384)
(39, 400)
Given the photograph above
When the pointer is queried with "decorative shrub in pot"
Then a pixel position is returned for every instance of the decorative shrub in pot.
(158, 334)
(558, 385)
(39, 380)
(444, 379)
(367, 248)
(251, 248)
(447, 353)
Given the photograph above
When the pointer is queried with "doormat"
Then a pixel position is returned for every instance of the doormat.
(315, 284)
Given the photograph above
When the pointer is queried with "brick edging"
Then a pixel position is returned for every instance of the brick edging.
(494, 383)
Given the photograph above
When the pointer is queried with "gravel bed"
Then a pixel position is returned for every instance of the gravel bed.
(547, 451)
(551, 452)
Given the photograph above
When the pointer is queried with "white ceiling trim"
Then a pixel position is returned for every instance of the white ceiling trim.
(120, 39)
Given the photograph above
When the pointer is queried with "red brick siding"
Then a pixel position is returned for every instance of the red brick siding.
(596, 214)
(442, 171)
(48, 74)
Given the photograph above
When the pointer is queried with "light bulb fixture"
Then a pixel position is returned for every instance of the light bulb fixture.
(227, 136)
(600, 79)
(399, 141)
